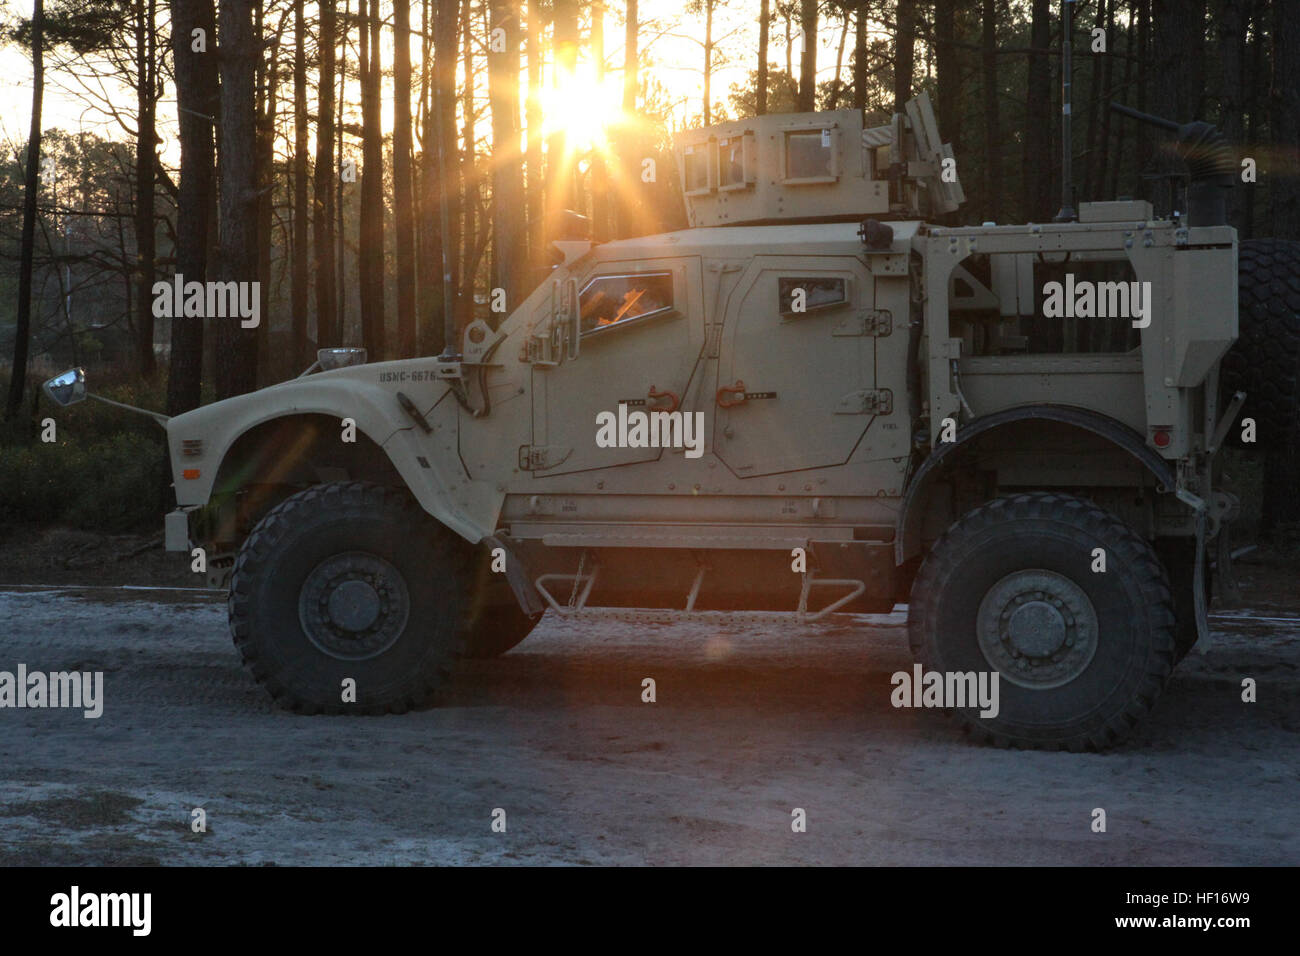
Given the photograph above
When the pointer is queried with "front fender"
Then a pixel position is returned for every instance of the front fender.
(200, 440)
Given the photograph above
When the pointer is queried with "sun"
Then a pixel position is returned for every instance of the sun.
(582, 108)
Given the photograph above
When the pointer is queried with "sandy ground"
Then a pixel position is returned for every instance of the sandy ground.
(752, 721)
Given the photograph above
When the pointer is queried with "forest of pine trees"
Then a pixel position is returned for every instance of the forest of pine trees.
(374, 164)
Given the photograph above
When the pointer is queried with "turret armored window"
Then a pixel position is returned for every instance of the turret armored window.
(611, 300)
(698, 168)
(811, 156)
(736, 161)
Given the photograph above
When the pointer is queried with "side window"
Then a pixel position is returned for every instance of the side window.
(810, 156)
(610, 300)
(799, 294)
(696, 160)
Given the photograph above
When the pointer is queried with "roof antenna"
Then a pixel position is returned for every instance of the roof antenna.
(1067, 213)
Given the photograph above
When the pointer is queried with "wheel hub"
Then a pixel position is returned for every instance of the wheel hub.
(1037, 628)
(353, 606)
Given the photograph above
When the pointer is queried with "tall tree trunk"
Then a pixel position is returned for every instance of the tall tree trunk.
(1118, 166)
(533, 121)
(1142, 139)
(340, 233)
(1178, 42)
(836, 85)
(808, 56)
(708, 62)
(403, 198)
(904, 53)
(559, 162)
(628, 150)
(789, 45)
(267, 97)
(600, 198)
(326, 172)
(764, 32)
(446, 226)
(196, 100)
(1093, 156)
(146, 147)
(631, 62)
(992, 126)
(1255, 85)
(945, 62)
(1178, 74)
(469, 171)
(299, 304)
(1108, 91)
(1232, 106)
(1038, 160)
(509, 251)
(31, 185)
(1285, 120)
(370, 244)
(236, 347)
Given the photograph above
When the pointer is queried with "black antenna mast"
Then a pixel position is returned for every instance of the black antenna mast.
(1067, 213)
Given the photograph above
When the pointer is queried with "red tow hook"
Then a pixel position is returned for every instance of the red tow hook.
(738, 389)
(655, 396)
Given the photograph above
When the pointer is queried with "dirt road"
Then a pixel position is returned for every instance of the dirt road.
(751, 722)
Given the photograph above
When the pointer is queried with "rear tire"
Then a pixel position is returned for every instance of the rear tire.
(349, 581)
(1081, 656)
(1265, 360)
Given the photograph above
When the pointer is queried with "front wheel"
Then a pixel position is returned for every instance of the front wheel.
(1016, 588)
(347, 598)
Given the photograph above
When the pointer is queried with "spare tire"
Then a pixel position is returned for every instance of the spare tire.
(1265, 361)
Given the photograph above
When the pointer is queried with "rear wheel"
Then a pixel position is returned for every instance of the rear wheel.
(1081, 655)
(1265, 360)
(347, 597)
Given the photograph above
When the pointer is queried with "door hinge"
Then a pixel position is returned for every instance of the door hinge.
(712, 339)
(874, 322)
(542, 457)
(869, 401)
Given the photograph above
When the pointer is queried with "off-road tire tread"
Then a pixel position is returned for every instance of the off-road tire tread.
(1122, 543)
(1265, 361)
(358, 498)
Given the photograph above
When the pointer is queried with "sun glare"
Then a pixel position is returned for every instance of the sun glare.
(582, 108)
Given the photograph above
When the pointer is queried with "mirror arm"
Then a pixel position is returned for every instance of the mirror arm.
(160, 418)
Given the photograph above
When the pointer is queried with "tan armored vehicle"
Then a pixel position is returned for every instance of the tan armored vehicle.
(811, 401)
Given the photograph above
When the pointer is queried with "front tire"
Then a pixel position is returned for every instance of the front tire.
(1081, 655)
(348, 582)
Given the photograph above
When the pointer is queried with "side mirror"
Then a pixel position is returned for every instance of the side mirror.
(67, 388)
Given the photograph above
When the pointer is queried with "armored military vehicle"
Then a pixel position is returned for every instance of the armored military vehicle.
(814, 400)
